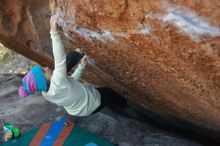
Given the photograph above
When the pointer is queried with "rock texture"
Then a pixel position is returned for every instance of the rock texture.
(164, 53)
(34, 111)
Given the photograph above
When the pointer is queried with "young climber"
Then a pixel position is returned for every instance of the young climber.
(77, 98)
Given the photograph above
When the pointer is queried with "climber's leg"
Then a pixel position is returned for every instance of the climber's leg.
(111, 99)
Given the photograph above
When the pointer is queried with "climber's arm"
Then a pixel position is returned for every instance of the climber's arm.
(58, 50)
(79, 70)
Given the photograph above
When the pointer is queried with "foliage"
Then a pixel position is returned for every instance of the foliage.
(6, 54)
(52, 6)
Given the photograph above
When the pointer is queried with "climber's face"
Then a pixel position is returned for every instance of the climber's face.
(47, 72)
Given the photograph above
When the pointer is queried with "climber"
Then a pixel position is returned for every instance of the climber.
(77, 98)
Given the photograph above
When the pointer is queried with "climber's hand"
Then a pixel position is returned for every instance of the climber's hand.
(53, 23)
(84, 60)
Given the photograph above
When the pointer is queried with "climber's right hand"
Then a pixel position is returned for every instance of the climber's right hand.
(53, 23)
(84, 60)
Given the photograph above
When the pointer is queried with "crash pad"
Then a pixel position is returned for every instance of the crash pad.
(63, 132)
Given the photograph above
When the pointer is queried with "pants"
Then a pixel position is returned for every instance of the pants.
(110, 99)
(72, 58)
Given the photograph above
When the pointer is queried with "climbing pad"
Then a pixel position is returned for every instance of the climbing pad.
(63, 132)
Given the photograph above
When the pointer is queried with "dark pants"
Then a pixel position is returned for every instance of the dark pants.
(110, 99)
(72, 58)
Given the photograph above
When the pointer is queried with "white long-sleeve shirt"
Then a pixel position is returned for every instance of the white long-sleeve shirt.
(77, 98)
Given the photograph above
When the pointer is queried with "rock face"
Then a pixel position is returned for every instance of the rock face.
(164, 53)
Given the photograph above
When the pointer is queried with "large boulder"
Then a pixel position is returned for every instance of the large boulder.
(164, 53)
